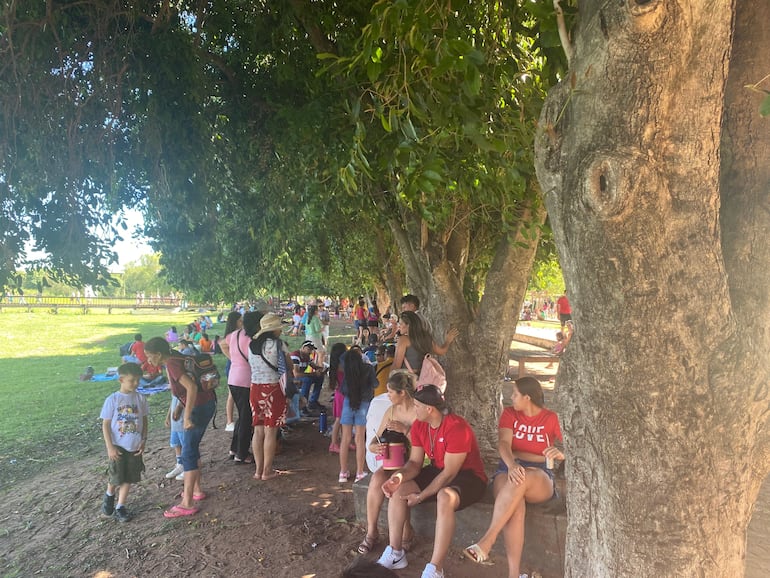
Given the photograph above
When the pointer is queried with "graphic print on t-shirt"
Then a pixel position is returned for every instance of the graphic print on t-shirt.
(529, 433)
(127, 417)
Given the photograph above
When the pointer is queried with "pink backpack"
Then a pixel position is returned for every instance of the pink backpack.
(431, 373)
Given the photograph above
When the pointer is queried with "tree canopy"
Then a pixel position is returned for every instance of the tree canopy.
(272, 142)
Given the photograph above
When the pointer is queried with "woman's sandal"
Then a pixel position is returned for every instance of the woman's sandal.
(179, 512)
(475, 554)
(367, 544)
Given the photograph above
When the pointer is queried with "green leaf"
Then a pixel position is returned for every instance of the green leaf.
(764, 108)
(408, 129)
(385, 123)
(373, 70)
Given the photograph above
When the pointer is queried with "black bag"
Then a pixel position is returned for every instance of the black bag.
(202, 369)
(291, 387)
(125, 349)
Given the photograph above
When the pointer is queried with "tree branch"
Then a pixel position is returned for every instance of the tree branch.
(318, 39)
(563, 33)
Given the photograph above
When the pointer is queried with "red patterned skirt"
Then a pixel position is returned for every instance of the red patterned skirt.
(268, 405)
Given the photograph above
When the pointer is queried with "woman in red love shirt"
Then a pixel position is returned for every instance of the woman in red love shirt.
(525, 434)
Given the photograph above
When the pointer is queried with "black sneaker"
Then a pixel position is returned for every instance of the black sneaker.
(108, 505)
(122, 515)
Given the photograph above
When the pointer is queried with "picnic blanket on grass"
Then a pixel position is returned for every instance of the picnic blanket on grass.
(147, 387)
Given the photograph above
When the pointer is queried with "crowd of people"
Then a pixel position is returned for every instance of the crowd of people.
(421, 451)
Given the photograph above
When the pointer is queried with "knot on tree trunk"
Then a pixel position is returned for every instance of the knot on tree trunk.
(647, 16)
(612, 180)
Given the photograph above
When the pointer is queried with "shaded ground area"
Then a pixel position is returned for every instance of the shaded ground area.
(300, 524)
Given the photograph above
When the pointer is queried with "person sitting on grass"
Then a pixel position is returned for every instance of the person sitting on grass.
(136, 351)
(124, 426)
(205, 344)
(199, 408)
(526, 433)
(454, 479)
(187, 347)
(172, 336)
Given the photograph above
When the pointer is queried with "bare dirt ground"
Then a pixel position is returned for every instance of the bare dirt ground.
(301, 524)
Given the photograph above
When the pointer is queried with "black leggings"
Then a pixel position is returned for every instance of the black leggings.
(241, 444)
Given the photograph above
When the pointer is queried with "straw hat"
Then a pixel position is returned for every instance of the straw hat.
(269, 323)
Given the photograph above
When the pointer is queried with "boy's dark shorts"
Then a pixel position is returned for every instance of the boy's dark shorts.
(127, 469)
(470, 488)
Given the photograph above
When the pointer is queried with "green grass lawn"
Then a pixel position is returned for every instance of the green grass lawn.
(47, 415)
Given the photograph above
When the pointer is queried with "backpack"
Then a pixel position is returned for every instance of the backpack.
(431, 373)
(125, 349)
(202, 369)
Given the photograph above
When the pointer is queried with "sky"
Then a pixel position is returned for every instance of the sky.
(131, 249)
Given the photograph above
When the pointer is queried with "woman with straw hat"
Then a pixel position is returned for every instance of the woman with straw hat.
(268, 359)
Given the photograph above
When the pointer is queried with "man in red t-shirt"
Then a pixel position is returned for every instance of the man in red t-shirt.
(455, 478)
(563, 309)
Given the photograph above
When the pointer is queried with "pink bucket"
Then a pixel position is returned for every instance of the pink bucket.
(395, 457)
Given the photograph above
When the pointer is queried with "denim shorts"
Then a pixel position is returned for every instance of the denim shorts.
(354, 417)
(191, 438)
(175, 440)
(503, 469)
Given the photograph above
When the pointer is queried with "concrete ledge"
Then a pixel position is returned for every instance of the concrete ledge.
(536, 341)
(545, 527)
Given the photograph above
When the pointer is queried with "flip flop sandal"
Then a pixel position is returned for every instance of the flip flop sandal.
(199, 497)
(179, 512)
(475, 554)
(367, 544)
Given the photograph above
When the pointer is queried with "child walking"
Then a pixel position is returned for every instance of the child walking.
(124, 426)
(175, 422)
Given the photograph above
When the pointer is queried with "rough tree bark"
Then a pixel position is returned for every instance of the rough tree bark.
(663, 393)
(435, 263)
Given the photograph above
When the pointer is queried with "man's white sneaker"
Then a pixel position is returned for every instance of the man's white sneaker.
(180, 477)
(430, 571)
(392, 559)
(178, 469)
(230, 426)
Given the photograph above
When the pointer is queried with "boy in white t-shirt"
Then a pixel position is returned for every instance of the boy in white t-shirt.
(124, 426)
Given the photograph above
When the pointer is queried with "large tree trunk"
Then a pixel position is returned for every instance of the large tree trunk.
(435, 266)
(663, 391)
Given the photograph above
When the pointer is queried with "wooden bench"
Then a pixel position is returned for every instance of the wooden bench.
(530, 355)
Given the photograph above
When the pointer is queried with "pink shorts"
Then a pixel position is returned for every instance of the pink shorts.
(339, 399)
(268, 405)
